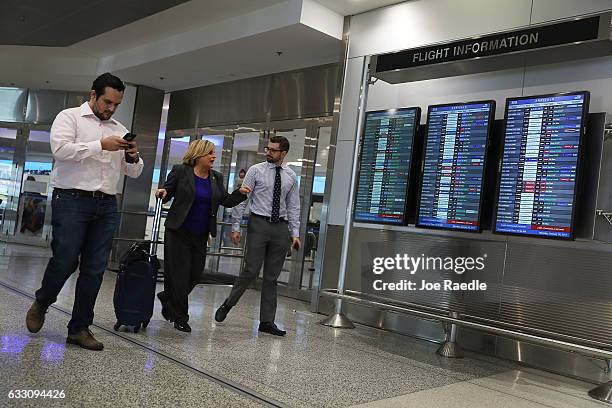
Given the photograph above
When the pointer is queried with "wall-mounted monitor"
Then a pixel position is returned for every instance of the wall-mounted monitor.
(540, 165)
(453, 166)
(384, 165)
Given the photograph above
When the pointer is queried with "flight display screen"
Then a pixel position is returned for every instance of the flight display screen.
(453, 170)
(384, 166)
(537, 185)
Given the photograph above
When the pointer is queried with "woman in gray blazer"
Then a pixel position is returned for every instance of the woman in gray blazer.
(198, 191)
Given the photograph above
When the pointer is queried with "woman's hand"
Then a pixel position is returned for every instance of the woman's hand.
(161, 193)
(244, 189)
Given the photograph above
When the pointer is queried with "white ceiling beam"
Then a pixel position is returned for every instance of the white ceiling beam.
(319, 17)
(262, 20)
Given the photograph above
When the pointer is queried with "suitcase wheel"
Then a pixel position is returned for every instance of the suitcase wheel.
(116, 326)
(145, 324)
(136, 328)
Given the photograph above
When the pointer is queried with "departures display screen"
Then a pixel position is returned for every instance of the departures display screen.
(453, 167)
(384, 166)
(540, 163)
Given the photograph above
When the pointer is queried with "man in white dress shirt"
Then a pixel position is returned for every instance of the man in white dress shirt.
(90, 156)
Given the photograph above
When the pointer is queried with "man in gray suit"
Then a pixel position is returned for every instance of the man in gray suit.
(274, 220)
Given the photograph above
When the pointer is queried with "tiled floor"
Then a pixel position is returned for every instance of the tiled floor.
(123, 376)
(313, 366)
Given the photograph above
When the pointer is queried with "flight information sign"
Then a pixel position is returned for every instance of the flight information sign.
(384, 166)
(453, 167)
(540, 162)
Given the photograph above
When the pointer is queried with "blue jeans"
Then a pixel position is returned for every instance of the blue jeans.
(82, 227)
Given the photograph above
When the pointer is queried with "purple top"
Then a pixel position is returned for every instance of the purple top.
(199, 215)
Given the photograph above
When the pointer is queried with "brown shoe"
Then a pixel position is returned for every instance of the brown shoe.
(85, 339)
(35, 318)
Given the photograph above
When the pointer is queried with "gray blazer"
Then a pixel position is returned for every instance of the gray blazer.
(180, 184)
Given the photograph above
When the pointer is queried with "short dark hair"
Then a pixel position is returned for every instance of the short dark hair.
(104, 80)
(282, 141)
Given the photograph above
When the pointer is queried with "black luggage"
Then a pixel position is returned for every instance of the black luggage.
(135, 286)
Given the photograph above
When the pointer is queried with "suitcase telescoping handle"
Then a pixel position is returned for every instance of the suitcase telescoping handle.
(156, 227)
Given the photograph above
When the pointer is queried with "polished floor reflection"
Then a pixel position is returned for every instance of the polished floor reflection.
(231, 364)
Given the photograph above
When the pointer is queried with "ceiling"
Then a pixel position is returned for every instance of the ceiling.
(166, 44)
(253, 56)
(185, 17)
(62, 23)
(352, 7)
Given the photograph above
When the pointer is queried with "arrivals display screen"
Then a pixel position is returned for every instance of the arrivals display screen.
(540, 162)
(384, 166)
(453, 167)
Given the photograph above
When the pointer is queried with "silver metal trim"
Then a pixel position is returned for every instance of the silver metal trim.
(338, 321)
(156, 226)
(348, 218)
(316, 276)
(602, 392)
(450, 348)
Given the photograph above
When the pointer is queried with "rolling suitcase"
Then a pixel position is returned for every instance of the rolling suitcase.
(135, 286)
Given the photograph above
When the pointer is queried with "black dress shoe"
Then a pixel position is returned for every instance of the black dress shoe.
(222, 312)
(182, 326)
(271, 328)
(162, 298)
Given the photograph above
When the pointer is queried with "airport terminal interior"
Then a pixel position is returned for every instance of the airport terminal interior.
(454, 168)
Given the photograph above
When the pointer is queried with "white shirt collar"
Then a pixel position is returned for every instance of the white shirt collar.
(272, 165)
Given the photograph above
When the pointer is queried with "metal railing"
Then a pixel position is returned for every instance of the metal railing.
(451, 349)
(538, 336)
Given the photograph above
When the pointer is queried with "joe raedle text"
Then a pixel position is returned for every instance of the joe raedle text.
(423, 285)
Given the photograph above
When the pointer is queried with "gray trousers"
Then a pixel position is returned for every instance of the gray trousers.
(267, 244)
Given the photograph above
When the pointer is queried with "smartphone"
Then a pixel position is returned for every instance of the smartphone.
(128, 137)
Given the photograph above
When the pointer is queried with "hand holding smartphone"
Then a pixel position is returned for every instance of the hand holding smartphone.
(128, 137)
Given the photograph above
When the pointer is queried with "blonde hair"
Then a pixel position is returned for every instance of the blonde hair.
(197, 148)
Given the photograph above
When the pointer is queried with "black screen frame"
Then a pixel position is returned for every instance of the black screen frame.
(579, 160)
(492, 103)
(417, 121)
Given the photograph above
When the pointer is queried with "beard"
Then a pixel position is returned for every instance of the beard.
(103, 116)
(271, 160)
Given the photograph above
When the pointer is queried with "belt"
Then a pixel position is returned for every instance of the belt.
(268, 218)
(85, 193)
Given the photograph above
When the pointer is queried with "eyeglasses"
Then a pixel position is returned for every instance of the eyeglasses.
(271, 150)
